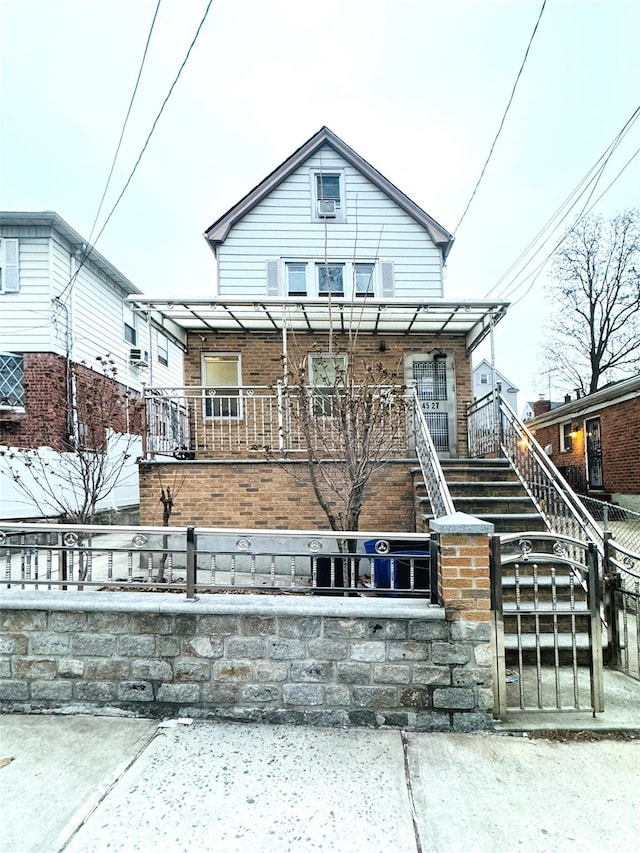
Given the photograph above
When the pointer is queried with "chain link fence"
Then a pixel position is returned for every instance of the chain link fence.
(623, 523)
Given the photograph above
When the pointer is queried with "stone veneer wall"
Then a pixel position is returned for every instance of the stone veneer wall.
(321, 661)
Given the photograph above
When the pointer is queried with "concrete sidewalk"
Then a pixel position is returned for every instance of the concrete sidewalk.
(98, 783)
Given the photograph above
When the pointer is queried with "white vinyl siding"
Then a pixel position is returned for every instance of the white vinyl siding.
(282, 226)
(25, 316)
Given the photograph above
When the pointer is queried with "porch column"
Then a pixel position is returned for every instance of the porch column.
(464, 586)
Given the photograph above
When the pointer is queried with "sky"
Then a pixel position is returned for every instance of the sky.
(416, 87)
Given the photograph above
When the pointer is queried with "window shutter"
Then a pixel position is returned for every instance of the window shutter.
(272, 278)
(386, 268)
(10, 271)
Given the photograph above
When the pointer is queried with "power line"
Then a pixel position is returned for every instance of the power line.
(90, 248)
(590, 182)
(504, 116)
(126, 119)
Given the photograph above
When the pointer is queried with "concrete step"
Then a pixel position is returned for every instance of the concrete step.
(479, 504)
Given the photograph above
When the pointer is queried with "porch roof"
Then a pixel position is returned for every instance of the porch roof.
(471, 319)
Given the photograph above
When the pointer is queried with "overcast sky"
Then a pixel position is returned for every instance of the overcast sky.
(417, 87)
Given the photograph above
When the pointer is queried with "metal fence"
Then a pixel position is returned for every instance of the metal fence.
(201, 560)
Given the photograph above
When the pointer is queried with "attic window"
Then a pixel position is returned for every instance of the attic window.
(328, 195)
(484, 378)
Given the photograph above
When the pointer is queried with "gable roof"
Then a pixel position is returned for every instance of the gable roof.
(218, 231)
(484, 365)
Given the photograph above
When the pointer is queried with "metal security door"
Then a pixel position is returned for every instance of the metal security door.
(433, 378)
(594, 454)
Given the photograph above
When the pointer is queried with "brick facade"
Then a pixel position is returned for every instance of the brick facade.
(45, 421)
(267, 495)
(619, 430)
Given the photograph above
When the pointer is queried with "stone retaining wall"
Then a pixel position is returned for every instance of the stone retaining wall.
(321, 661)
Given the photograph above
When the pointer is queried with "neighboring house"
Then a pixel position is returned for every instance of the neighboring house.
(324, 247)
(51, 318)
(594, 441)
(532, 408)
(483, 375)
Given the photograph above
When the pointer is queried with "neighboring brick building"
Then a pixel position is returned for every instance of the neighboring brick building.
(594, 441)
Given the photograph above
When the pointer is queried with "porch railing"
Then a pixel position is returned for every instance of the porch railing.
(201, 421)
(199, 560)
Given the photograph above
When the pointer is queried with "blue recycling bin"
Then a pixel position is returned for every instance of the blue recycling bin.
(402, 553)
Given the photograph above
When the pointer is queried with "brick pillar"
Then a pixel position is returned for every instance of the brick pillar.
(463, 567)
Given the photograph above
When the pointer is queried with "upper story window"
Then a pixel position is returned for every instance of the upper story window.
(330, 279)
(11, 380)
(163, 349)
(130, 325)
(363, 275)
(296, 279)
(9, 276)
(328, 195)
(484, 378)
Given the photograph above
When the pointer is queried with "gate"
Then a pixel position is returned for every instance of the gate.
(547, 624)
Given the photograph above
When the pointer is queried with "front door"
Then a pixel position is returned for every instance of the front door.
(595, 479)
(435, 383)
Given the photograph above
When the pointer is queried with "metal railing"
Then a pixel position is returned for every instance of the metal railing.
(495, 429)
(206, 422)
(434, 480)
(199, 560)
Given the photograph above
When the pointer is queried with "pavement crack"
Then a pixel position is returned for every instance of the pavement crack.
(410, 789)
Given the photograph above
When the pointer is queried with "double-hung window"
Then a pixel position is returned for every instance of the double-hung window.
(9, 273)
(328, 195)
(221, 374)
(130, 326)
(325, 374)
(296, 279)
(363, 279)
(163, 349)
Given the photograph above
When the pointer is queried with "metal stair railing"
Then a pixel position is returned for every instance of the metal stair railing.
(495, 428)
(434, 480)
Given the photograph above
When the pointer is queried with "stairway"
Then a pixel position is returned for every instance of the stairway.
(487, 489)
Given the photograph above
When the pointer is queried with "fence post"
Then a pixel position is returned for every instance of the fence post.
(612, 581)
(595, 631)
(434, 549)
(191, 564)
(497, 634)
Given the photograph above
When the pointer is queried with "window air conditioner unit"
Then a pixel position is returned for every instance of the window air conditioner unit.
(139, 357)
(327, 207)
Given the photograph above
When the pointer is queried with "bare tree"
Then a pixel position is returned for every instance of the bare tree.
(80, 464)
(595, 295)
(351, 418)
(168, 494)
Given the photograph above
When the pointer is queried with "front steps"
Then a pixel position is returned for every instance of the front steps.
(487, 489)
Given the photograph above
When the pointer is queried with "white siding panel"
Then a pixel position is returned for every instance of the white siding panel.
(282, 226)
(25, 316)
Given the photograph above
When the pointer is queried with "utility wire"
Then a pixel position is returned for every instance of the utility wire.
(590, 182)
(126, 119)
(504, 116)
(90, 248)
(582, 216)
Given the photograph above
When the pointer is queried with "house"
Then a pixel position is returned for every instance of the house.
(58, 309)
(537, 407)
(593, 441)
(485, 377)
(324, 257)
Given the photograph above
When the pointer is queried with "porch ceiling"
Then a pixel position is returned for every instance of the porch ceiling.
(439, 317)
